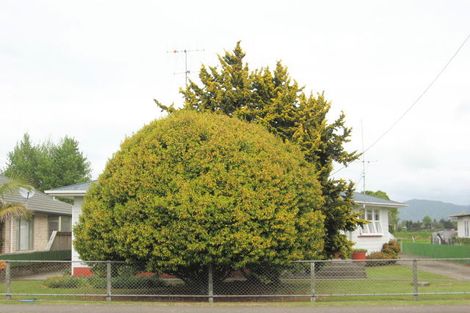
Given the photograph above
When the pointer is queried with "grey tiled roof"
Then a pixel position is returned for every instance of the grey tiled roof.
(39, 202)
(366, 199)
(463, 214)
(74, 187)
(71, 190)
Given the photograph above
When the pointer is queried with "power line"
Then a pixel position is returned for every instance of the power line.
(414, 102)
(421, 95)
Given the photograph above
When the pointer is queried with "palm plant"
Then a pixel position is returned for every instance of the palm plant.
(10, 210)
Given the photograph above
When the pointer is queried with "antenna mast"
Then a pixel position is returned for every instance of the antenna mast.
(186, 70)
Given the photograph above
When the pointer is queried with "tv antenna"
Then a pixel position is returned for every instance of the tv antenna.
(186, 70)
(26, 193)
(364, 161)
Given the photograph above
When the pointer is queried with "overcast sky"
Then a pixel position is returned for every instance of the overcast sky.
(90, 69)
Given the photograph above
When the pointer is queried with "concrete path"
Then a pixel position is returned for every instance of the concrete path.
(445, 268)
(225, 308)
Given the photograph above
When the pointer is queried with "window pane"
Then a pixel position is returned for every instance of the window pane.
(24, 234)
(378, 227)
(53, 222)
(376, 215)
(369, 215)
(66, 223)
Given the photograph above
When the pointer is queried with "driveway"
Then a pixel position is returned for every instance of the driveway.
(225, 308)
(445, 268)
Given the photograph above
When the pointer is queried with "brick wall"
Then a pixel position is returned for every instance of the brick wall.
(7, 230)
(40, 232)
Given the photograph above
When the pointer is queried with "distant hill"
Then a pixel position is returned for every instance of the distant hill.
(417, 209)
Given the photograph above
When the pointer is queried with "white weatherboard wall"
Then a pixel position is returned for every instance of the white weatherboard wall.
(372, 242)
(461, 226)
(76, 212)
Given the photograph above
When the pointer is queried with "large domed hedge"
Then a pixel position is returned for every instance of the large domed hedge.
(195, 189)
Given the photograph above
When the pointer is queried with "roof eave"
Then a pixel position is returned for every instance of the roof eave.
(58, 212)
(459, 215)
(65, 193)
(382, 205)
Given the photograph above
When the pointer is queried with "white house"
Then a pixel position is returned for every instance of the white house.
(463, 225)
(77, 193)
(370, 237)
(374, 234)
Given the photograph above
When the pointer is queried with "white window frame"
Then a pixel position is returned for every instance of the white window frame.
(61, 221)
(29, 235)
(466, 228)
(374, 225)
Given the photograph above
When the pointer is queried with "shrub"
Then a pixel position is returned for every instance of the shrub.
(137, 282)
(379, 256)
(65, 282)
(127, 282)
(392, 248)
(199, 189)
(390, 251)
(97, 282)
(119, 282)
(58, 255)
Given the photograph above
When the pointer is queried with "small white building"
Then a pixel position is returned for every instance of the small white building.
(370, 237)
(373, 235)
(463, 225)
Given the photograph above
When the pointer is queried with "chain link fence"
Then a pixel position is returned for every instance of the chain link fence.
(303, 280)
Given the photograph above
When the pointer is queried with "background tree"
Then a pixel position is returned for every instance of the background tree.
(447, 224)
(393, 219)
(427, 222)
(48, 165)
(273, 99)
(195, 189)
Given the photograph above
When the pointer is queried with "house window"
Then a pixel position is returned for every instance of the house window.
(59, 223)
(466, 229)
(24, 234)
(373, 218)
(53, 223)
(66, 223)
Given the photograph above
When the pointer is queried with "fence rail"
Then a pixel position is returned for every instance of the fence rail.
(302, 280)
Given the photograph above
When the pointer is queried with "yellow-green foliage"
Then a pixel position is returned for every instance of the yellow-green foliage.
(201, 188)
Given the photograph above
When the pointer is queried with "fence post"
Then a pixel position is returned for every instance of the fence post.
(7, 280)
(415, 279)
(313, 298)
(211, 285)
(108, 280)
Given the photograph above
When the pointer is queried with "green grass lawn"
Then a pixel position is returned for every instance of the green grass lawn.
(393, 279)
(419, 236)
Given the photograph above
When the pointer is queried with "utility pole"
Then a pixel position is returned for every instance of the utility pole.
(186, 70)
